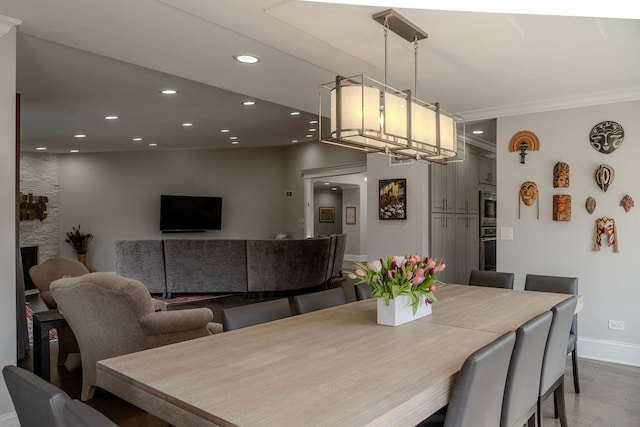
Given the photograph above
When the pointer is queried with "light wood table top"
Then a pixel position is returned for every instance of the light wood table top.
(332, 367)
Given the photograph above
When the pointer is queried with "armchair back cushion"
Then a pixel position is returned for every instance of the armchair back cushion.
(54, 269)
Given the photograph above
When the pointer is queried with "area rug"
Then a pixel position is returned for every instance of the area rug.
(181, 298)
(53, 333)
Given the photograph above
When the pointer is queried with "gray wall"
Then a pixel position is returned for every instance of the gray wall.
(307, 156)
(327, 199)
(351, 198)
(608, 281)
(117, 195)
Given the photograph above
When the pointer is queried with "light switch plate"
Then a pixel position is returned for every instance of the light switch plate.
(506, 233)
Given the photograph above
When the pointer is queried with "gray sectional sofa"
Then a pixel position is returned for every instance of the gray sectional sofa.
(225, 265)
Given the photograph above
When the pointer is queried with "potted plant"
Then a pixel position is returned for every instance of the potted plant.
(79, 242)
(404, 286)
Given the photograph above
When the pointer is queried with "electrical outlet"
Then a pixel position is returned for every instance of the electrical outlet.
(616, 325)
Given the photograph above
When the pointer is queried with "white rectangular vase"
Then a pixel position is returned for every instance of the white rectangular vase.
(400, 310)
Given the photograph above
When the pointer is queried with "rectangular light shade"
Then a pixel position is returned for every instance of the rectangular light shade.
(360, 107)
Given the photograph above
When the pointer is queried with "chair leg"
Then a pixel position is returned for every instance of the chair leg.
(87, 392)
(558, 397)
(574, 362)
(539, 411)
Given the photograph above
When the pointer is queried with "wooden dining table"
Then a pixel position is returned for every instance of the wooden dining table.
(333, 367)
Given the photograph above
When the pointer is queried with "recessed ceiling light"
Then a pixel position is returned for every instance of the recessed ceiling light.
(235, 142)
(168, 91)
(153, 144)
(79, 135)
(111, 117)
(478, 132)
(233, 137)
(248, 103)
(334, 189)
(309, 136)
(313, 122)
(294, 141)
(137, 139)
(224, 130)
(74, 151)
(313, 130)
(246, 59)
(327, 183)
(365, 178)
(41, 148)
(187, 124)
(295, 113)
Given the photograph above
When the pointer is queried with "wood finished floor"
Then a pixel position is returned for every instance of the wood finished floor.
(610, 393)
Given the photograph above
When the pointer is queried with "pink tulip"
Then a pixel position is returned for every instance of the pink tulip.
(352, 276)
(420, 272)
(417, 280)
(441, 267)
(359, 272)
(409, 275)
(432, 288)
(412, 261)
(431, 263)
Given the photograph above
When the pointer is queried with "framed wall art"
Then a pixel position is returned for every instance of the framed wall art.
(327, 214)
(392, 199)
(350, 214)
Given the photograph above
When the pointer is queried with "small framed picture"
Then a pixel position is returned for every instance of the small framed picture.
(350, 215)
(327, 214)
(392, 202)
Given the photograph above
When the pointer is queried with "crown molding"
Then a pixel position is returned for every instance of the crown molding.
(6, 24)
(565, 103)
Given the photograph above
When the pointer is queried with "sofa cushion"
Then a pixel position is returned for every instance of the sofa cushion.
(205, 265)
(142, 260)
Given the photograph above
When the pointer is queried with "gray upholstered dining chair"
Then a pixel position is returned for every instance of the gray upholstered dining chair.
(363, 291)
(253, 314)
(555, 357)
(41, 404)
(476, 398)
(563, 285)
(319, 300)
(494, 279)
(519, 405)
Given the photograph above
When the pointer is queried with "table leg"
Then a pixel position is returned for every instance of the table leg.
(41, 351)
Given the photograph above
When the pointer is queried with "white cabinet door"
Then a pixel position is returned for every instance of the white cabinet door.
(467, 183)
(467, 247)
(487, 169)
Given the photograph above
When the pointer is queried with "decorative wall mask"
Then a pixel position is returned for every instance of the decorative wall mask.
(605, 233)
(524, 141)
(606, 136)
(529, 196)
(562, 207)
(604, 176)
(590, 205)
(561, 175)
(627, 203)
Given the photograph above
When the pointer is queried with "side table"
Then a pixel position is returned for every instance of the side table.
(43, 322)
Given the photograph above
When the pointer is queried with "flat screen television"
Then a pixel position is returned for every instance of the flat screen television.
(190, 213)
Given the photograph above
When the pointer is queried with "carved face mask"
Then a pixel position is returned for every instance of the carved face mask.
(590, 204)
(627, 203)
(529, 193)
(561, 175)
(604, 176)
(606, 136)
(605, 234)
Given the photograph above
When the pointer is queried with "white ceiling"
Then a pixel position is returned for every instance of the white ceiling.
(79, 60)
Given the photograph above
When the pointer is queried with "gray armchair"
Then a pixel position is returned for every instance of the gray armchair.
(113, 315)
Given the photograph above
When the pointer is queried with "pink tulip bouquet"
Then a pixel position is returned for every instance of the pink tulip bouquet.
(398, 275)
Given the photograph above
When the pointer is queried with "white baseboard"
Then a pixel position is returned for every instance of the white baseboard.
(350, 257)
(9, 419)
(609, 351)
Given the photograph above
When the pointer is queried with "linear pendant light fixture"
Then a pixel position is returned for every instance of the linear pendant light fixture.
(373, 117)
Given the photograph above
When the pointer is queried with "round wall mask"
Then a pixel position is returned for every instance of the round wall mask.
(606, 136)
(604, 176)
